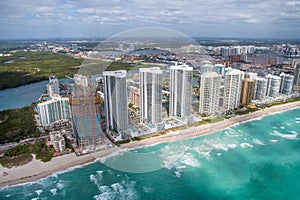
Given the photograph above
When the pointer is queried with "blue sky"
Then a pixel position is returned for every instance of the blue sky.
(97, 18)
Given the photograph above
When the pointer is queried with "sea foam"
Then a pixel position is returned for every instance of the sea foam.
(292, 136)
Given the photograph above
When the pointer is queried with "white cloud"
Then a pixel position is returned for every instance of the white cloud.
(293, 3)
(170, 13)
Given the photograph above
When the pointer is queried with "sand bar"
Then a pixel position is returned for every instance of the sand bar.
(36, 169)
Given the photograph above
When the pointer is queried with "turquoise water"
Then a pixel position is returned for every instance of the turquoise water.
(254, 160)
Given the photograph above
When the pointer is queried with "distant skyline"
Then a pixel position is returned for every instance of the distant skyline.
(101, 18)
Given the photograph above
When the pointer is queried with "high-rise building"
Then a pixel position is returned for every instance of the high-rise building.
(220, 69)
(286, 83)
(86, 115)
(74, 48)
(232, 89)
(251, 75)
(134, 96)
(273, 85)
(247, 91)
(53, 87)
(296, 84)
(260, 88)
(115, 97)
(53, 110)
(151, 95)
(251, 49)
(206, 66)
(180, 90)
(81, 80)
(210, 83)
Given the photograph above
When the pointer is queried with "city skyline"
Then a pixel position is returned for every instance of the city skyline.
(229, 18)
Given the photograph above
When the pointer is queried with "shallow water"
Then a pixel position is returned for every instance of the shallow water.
(255, 160)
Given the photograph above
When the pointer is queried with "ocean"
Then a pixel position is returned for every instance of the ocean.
(258, 159)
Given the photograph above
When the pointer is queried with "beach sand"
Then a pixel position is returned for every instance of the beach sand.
(37, 169)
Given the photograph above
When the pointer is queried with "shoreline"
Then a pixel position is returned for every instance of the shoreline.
(37, 169)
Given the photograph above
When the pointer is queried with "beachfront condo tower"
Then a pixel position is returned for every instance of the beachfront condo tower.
(232, 89)
(115, 98)
(210, 83)
(150, 95)
(296, 84)
(286, 83)
(53, 110)
(180, 90)
(247, 91)
(273, 85)
(260, 88)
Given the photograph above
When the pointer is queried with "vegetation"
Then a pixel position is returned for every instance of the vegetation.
(29, 67)
(282, 102)
(90, 66)
(22, 154)
(243, 112)
(17, 124)
(214, 120)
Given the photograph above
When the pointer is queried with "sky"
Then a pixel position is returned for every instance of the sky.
(104, 18)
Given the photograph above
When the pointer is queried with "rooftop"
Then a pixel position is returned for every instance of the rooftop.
(118, 73)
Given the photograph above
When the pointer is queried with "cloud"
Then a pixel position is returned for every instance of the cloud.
(136, 13)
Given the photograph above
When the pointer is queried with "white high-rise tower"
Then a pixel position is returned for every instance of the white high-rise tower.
(53, 87)
(151, 95)
(273, 85)
(210, 83)
(260, 88)
(286, 83)
(232, 89)
(180, 90)
(115, 93)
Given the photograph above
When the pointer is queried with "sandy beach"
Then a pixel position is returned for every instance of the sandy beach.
(37, 169)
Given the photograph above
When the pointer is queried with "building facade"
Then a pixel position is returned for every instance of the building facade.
(53, 87)
(150, 95)
(286, 84)
(86, 115)
(180, 90)
(53, 110)
(134, 96)
(115, 98)
(273, 85)
(260, 88)
(247, 91)
(232, 89)
(296, 84)
(58, 141)
(210, 83)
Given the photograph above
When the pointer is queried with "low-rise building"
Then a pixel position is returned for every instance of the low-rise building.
(58, 141)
